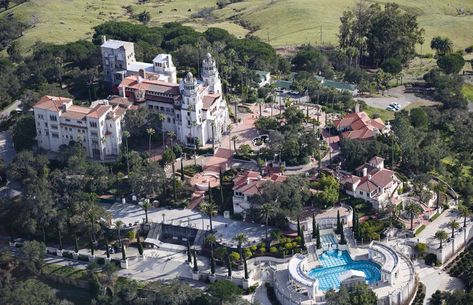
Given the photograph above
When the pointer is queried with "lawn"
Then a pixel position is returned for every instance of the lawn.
(384, 114)
(467, 91)
(64, 271)
(282, 23)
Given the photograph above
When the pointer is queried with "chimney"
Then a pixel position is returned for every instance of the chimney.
(357, 107)
(247, 181)
(365, 171)
(122, 91)
(369, 177)
(104, 39)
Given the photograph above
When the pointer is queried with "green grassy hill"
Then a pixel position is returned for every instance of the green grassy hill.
(281, 22)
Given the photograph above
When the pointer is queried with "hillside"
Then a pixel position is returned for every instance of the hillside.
(281, 22)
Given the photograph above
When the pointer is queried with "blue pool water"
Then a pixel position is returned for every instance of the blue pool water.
(334, 263)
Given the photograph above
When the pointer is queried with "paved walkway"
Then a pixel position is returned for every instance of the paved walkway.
(261, 295)
(435, 279)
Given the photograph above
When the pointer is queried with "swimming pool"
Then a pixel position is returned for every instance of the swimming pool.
(334, 263)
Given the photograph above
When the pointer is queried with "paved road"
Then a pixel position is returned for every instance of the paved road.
(7, 151)
(10, 108)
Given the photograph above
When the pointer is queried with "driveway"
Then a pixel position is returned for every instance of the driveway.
(7, 151)
(6, 112)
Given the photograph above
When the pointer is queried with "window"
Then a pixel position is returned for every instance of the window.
(161, 108)
(53, 117)
(169, 120)
(93, 124)
(54, 135)
(79, 122)
(67, 120)
(188, 122)
(53, 126)
(94, 133)
(188, 113)
(150, 107)
(40, 116)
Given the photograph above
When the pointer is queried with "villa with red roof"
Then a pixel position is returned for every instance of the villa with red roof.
(359, 126)
(373, 183)
(247, 184)
(98, 127)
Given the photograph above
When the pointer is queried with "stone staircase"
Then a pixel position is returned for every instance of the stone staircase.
(196, 199)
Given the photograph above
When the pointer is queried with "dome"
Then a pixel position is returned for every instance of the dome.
(209, 56)
(189, 77)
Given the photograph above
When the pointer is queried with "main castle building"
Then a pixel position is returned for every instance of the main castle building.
(194, 109)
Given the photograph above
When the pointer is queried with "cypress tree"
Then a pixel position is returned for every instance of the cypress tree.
(302, 239)
(212, 262)
(92, 250)
(221, 187)
(245, 265)
(343, 241)
(189, 257)
(229, 265)
(76, 245)
(182, 169)
(140, 246)
(210, 194)
(107, 248)
(339, 224)
(314, 234)
(353, 222)
(358, 229)
(196, 268)
(298, 227)
(317, 237)
(123, 252)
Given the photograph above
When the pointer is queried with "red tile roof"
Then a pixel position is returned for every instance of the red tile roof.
(250, 182)
(359, 126)
(208, 100)
(52, 103)
(150, 85)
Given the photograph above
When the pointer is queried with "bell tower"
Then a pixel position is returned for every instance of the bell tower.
(210, 74)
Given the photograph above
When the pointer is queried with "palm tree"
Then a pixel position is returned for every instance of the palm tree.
(119, 225)
(439, 188)
(171, 135)
(464, 212)
(126, 135)
(453, 225)
(240, 238)
(441, 235)
(267, 211)
(212, 240)
(146, 205)
(234, 140)
(150, 132)
(210, 209)
(413, 209)
(161, 119)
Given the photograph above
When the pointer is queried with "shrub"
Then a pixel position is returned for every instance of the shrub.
(273, 250)
(288, 246)
(253, 248)
(262, 250)
(67, 254)
(235, 256)
(252, 288)
(100, 261)
(83, 257)
(431, 259)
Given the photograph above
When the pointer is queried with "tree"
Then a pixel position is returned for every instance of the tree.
(126, 135)
(413, 209)
(146, 205)
(453, 225)
(30, 292)
(210, 209)
(240, 238)
(464, 212)
(441, 235)
(168, 156)
(150, 132)
(451, 63)
(224, 291)
(194, 257)
(212, 240)
(267, 211)
(32, 256)
(314, 225)
(245, 267)
(441, 45)
(392, 66)
(317, 238)
(339, 227)
(419, 118)
(24, 132)
(144, 17)
(234, 140)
